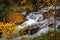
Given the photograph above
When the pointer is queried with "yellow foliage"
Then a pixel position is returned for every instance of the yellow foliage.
(7, 28)
(23, 1)
(49, 2)
(53, 12)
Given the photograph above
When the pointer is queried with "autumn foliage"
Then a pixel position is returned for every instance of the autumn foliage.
(7, 29)
(15, 17)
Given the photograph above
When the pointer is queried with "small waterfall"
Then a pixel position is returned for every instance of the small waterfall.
(35, 19)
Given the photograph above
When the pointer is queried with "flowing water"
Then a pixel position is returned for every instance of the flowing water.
(35, 19)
